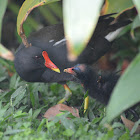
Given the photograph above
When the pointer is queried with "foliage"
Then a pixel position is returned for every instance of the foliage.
(119, 6)
(3, 5)
(137, 4)
(23, 104)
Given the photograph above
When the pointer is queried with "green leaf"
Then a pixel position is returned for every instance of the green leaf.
(136, 23)
(15, 131)
(137, 4)
(65, 122)
(134, 129)
(19, 91)
(14, 81)
(32, 97)
(127, 90)
(125, 136)
(68, 132)
(3, 5)
(2, 112)
(2, 78)
(26, 8)
(80, 18)
(19, 97)
(36, 113)
(40, 127)
(118, 6)
(20, 114)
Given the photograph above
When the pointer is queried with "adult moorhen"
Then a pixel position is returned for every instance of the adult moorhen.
(46, 59)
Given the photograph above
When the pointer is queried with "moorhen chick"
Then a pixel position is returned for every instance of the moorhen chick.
(46, 59)
(98, 86)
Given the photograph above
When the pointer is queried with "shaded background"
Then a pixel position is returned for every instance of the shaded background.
(25, 103)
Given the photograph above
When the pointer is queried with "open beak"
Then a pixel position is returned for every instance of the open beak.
(48, 63)
(70, 70)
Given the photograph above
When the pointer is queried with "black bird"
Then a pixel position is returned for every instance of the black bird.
(46, 59)
(98, 86)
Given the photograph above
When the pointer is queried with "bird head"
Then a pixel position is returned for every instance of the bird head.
(80, 71)
(76, 70)
(36, 58)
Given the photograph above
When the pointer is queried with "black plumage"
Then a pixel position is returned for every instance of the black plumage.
(99, 87)
(30, 63)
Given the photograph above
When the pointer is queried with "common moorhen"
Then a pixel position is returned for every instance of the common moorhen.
(45, 60)
(98, 86)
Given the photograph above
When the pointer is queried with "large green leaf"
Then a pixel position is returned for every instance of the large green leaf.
(3, 5)
(117, 6)
(25, 10)
(137, 4)
(136, 23)
(80, 18)
(127, 91)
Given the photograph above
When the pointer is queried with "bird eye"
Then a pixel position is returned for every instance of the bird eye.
(37, 56)
(76, 69)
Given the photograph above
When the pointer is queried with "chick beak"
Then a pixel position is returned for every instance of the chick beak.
(69, 70)
(48, 63)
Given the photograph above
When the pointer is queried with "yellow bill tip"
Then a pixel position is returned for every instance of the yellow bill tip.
(56, 70)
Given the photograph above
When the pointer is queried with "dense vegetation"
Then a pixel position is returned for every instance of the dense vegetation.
(23, 104)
